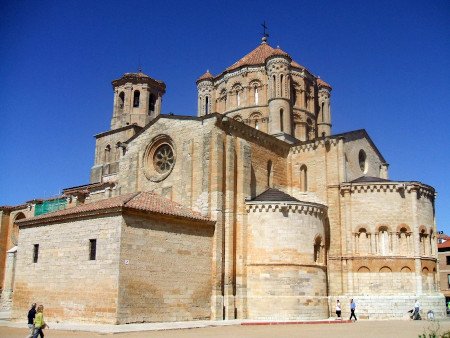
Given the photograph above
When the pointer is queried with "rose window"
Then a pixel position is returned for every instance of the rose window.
(163, 158)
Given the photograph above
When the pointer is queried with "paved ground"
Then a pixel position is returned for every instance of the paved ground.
(362, 328)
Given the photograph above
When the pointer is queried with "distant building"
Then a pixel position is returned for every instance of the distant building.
(444, 265)
(251, 209)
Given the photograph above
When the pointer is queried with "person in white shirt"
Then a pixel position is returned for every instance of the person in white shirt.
(338, 309)
(416, 310)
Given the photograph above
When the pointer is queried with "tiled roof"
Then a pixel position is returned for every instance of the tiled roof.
(322, 83)
(139, 75)
(258, 56)
(138, 78)
(274, 195)
(142, 201)
(364, 179)
(148, 201)
(205, 76)
(296, 65)
(444, 245)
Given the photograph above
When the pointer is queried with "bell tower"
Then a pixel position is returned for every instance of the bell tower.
(137, 99)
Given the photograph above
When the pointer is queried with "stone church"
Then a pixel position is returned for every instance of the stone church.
(253, 209)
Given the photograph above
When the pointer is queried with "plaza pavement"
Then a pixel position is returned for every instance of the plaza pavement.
(234, 328)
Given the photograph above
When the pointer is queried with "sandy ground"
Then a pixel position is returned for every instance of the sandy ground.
(360, 329)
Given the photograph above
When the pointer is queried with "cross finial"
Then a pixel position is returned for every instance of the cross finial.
(265, 34)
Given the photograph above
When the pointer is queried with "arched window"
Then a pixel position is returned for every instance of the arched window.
(15, 230)
(383, 240)
(121, 100)
(151, 103)
(269, 174)
(303, 178)
(281, 86)
(306, 99)
(403, 246)
(281, 120)
(318, 250)
(274, 87)
(423, 242)
(107, 156)
(309, 129)
(206, 105)
(431, 242)
(256, 95)
(254, 119)
(136, 97)
(362, 161)
(363, 242)
(117, 152)
(238, 95)
(322, 112)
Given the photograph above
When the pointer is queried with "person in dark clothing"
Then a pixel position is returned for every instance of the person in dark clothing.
(31, 315)
(352, 310)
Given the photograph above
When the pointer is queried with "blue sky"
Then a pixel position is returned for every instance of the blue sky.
(388, 63)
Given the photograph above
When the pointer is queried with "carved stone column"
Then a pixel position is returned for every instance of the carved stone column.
(9, 278)
(416, 238)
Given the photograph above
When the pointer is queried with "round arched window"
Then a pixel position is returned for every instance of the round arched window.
(163, 158)
(362, 161)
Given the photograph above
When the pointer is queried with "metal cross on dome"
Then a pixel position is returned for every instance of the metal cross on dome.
(264, 29)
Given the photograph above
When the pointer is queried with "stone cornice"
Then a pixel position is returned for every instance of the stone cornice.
(307, 208)
(113, 131)
(313, 145)
(225, 76)
(34, 221)
(362, 187)
(233, 127)
(9, 208)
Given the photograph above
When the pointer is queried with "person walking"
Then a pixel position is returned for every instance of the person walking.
(39, 323)
(338, 309)
(416, 313)
(352, 310)
(31, 315)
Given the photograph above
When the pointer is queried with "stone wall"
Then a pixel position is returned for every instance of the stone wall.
(353, 168)
(389, 247)
(389, 307)
(286, 271)
(70, 286)
(165, 270)
(185, 183)
(444, 272)
(9, 234)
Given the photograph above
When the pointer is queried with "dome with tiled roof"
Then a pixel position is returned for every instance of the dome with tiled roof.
(322, 83)
(259, 55)
(206, 76)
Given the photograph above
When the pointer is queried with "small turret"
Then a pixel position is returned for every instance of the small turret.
(324, 110)
(205, 89)
(137, 99)
(278, 72)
